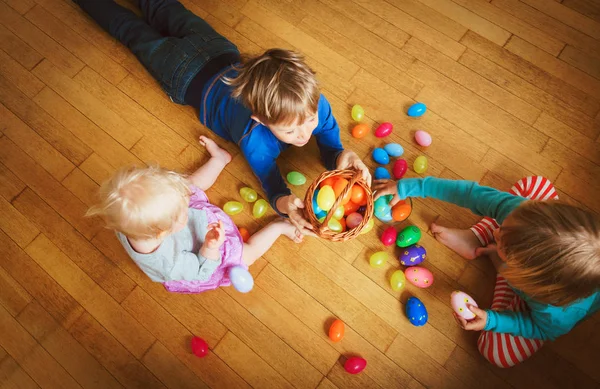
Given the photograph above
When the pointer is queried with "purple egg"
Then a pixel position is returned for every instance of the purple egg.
(412, 255)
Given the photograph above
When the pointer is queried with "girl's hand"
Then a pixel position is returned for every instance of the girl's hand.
(349, 160)
(476, 324)
(215, 236)
(386, 187)
(292, 206)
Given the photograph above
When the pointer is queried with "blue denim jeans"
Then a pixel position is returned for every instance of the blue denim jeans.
(170, 41)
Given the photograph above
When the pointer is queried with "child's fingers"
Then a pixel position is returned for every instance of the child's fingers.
(394, 200)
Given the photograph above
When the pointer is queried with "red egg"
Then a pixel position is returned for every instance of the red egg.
(384, 130)
(400, 168)
(355, 365)
(350, 207)
(389, 236)
(342, 221)
(199, 347)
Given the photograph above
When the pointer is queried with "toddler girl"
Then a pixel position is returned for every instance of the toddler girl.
(547, 255)
(168, 227)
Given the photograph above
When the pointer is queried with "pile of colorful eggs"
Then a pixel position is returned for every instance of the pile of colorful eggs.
(387, 213)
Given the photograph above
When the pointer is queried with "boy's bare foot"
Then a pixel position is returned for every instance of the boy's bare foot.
(214, 150)
(462, 242)
(289, 230)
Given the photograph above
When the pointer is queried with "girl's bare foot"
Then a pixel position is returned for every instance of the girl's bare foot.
(462, 242)
(214, 150)
(289, 230)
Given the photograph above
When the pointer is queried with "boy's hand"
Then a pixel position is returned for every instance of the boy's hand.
(213, 240)
(476, 324)
(349, 160)
(292, 206)
(386, 187)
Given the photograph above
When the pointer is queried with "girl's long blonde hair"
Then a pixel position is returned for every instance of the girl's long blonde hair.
(552, 251)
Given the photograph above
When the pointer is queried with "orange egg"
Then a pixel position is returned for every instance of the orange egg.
(343, 223)
(350, 207)
(360, 130)
(328, 181)
(358, 195)
(245, 234)
(339, 186)
(401, 211)
(336, 331)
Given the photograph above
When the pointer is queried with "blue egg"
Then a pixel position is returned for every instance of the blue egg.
(416, 312)
(394, 150)
(380, 156)
(320, 214)
(381, 173)
(412, 255)
(417, 110)
(381, 204)
(316, 209)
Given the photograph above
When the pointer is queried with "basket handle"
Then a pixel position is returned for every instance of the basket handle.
(355, 177)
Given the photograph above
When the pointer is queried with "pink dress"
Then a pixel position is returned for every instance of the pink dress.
(231, 250)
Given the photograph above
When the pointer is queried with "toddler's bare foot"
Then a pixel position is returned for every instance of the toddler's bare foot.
(214, 150)
(289, 230)
(462, 242)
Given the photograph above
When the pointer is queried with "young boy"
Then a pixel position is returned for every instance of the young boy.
(264, 105)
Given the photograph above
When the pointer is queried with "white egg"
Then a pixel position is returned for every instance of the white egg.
(459, 301)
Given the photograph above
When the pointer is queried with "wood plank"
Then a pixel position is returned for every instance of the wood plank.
(10, 185)
(473, 370)
(567, 16)
(583, 168)
(571, 184)
(88, 104)
(15, 225)
(39, 41)
(95, 300)
(532, 74)
(21, 6)
(250, 366)
(584, 7)
(581, 60)
(19, 75)
(31, 356)
(531, 93)
(326, 384)
(12, 375)
(48, 128)
(82, 49)
(82, 186)
(170, 370)
(509, 170)
(514, 25)
(112, 355)
(78, 362)
(17, 49)
(97, 168)
(34, 145)
(14, 297)
(341, 378)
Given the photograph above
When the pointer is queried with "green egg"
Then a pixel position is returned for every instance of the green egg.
(296, 178)
(408, 236)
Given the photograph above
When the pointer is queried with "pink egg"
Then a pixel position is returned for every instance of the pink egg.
(400, 168)
(423, 138)
(384, 130)
(389, 236)
(459, 301)
(353, 220)
(419, 276)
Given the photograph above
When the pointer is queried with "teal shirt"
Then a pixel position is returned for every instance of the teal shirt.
(544, 321)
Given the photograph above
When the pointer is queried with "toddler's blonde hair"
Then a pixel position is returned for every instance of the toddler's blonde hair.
(278, 87)
(142, 203)
(552, 251)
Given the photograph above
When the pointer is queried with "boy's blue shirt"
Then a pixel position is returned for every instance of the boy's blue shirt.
(230, 119)
(544, 321)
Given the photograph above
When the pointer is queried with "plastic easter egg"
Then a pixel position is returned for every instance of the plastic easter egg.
(241, 279)
(360, 130)
(420, 164)
(233, 207)
(296, 178)
(378, 259)
(315, 206)
(389, 236)
(368, 226)
(355, 365)
(419, 276)
(358, 113)
(358, 195)
(398, 280)
(381, 204)
(412, 255)
(339, 212)
(362, 209)
(326, 198)
(245, 234)
(459, 301)
(260, 208)
(336, 331)
(380, 156)
(384, 130)
(342, 222)
(321, 214)
(394, 150)
(334, 225)
(350, 207)
(328, 181)
(401, 211)
(339, 186)
(423, 138)
(408, 236)
(248, 194)
(381, 173)
(353, 220)
(199, 347)
(399, 169)
(416, 312)
(384, 216)
(417, 110)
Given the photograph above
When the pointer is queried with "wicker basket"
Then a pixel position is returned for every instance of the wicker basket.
(321, 229)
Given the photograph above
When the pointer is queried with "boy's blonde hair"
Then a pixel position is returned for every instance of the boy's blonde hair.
(142, 203)
(552, 252)
(278, 87)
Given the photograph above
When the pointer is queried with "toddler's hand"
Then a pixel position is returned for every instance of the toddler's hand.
(215, 236)
(476, 324)
(386, 187)
(292, 206)
(349, 160)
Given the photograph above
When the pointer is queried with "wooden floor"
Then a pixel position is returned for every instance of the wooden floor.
(512, 87)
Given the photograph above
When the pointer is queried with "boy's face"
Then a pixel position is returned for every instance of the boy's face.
(296, 134)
